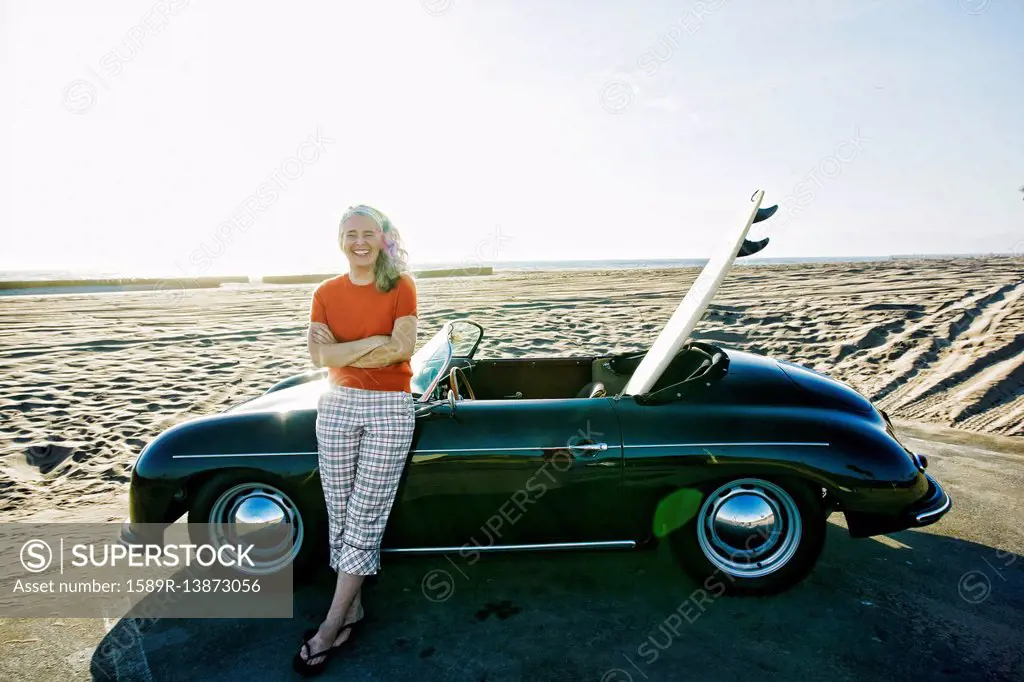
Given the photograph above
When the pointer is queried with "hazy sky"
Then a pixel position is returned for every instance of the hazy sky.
(228, 137)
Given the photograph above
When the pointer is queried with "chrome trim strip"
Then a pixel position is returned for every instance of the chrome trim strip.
(247, 454)
(537, 447)
(604, 544)
(923, 516)
(474, 449)
(706, 445)
(413, 452)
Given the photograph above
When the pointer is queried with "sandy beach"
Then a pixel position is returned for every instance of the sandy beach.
(932, 341)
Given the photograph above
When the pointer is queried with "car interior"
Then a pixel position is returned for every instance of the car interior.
(575, 377)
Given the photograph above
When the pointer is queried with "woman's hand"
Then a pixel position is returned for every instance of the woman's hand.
(374, 358)
(398, 347)
(321, 333)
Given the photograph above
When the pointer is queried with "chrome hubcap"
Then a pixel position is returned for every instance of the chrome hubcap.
(260, 515)
(749, 528)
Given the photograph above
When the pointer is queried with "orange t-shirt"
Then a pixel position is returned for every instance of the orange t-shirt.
(356, 311)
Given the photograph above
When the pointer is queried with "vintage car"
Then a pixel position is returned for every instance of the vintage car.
(733, 458)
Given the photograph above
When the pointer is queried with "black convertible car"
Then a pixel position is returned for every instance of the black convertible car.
(735, 459)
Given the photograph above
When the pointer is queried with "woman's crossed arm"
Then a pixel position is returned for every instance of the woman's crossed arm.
(399, 346)
(326, 351)
(373, 351)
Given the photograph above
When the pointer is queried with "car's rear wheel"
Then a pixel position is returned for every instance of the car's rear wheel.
(250, 508)
(753, 536)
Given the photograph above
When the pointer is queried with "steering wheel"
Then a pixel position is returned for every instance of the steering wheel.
(453, 383)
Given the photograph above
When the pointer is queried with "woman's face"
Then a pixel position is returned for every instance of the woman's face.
(360, 240)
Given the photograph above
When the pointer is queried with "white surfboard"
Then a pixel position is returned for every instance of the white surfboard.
(696, 301)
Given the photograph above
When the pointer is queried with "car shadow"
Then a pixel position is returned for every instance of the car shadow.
(897, 607)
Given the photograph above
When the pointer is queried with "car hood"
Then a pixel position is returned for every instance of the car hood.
(302, 397)
(826, 390)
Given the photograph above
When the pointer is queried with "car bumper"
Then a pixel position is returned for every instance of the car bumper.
(141, 534)
(932, 506)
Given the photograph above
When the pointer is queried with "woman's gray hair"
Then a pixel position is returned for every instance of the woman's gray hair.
(393, 260)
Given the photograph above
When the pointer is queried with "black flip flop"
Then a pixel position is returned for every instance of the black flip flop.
(307, 669)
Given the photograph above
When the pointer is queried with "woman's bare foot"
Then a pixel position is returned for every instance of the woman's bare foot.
(319, 641)
(344, 632)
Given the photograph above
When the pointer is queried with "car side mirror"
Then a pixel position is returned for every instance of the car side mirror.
(451, 400)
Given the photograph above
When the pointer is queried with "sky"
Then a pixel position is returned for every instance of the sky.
(228, 138)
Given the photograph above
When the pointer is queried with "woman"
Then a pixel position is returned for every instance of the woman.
(363, 328)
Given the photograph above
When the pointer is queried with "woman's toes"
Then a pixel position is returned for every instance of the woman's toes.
(312, 646)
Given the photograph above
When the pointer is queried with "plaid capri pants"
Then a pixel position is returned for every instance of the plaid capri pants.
(363, 439)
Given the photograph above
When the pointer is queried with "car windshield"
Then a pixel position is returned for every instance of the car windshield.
(430, 360)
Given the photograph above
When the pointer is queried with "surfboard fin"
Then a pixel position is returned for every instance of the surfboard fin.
(750, 246)
(765, 213)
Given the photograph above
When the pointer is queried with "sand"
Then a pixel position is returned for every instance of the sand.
(937, 342)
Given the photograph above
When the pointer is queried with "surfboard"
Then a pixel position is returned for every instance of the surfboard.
(691, 309)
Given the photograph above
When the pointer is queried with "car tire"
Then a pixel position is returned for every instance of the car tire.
(725, 554)
(225, 494)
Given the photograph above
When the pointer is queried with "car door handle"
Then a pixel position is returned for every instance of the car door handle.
(587, 449)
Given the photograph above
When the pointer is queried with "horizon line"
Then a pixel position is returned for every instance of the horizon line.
(570, 260)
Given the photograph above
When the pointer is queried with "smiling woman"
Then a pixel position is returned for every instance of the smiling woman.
(363, 329)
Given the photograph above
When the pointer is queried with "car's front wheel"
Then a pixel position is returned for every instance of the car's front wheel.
(753, 536)
(248, 508)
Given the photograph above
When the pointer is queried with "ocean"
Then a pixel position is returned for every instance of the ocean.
(126, 276)
(89, 281)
